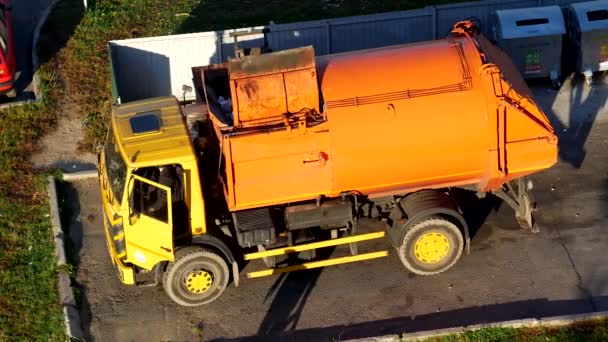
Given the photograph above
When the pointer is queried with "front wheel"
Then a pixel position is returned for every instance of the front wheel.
(196, 277)
(431, 246)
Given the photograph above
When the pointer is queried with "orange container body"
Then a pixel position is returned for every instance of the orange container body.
(452, 112)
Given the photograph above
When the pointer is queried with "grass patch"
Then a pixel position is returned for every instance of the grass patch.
(29, 303)
(29, 308)
(595, 330)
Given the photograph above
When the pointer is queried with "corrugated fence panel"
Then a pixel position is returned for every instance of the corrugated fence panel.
(448, 15)
(377, 30)
(288, 36)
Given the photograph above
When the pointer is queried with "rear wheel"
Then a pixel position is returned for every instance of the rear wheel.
(431, 246)
(196, 277)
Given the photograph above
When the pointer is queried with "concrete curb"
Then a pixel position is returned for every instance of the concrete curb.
(520, 323)
(67, 300)
(80, 175)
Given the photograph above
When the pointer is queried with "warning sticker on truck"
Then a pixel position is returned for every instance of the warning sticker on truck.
(533, 62)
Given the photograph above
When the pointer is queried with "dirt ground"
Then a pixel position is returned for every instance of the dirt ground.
(59, 148)
(510, 273)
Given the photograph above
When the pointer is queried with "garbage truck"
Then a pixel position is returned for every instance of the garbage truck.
(289, 152)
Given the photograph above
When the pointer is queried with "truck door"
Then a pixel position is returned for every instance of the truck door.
(149, 237)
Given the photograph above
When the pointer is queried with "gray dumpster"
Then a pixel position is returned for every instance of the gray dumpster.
(588, 31)
(533, 39)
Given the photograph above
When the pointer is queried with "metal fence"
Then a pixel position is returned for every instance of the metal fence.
(157, 66)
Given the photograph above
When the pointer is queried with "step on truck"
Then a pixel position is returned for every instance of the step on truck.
(289, 152)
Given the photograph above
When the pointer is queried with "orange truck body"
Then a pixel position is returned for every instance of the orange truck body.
(394, 120)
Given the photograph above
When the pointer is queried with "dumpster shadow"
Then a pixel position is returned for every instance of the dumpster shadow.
(583, 114)
(534, 308)
(573, 125)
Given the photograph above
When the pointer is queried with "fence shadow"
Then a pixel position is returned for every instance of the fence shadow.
(535, 308)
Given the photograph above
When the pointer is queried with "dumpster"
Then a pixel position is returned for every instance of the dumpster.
(533, 39)
(588, 31)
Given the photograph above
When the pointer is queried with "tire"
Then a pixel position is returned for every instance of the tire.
(431, 246)
(196, 277)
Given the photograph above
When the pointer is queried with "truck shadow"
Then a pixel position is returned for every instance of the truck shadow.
(476, 210)
(535, 308)
(289, 294)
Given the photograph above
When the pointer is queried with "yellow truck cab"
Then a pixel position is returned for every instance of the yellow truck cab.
(147, 139)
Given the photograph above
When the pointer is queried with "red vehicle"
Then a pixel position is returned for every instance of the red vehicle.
(7, 51)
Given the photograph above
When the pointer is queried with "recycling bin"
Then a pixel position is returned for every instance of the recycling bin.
(533, 39)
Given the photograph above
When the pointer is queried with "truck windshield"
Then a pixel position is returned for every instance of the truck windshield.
(117, 169)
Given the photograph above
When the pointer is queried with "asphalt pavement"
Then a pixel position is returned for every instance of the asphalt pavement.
(25, 16)
(509, 274)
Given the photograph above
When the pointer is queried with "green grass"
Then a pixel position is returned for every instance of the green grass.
(29, 303)
(587, 331)
(29, 307)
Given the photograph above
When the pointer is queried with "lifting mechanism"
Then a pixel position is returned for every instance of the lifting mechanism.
(520, 199)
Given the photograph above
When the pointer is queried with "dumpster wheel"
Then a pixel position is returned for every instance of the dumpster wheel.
(431, 246)
(196, 277)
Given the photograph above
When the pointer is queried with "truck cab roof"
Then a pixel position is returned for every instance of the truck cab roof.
(152, 132)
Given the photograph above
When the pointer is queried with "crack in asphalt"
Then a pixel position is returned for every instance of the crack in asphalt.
(580, 285)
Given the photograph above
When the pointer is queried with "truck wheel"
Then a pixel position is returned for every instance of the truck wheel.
(431, 246)
(196, 277)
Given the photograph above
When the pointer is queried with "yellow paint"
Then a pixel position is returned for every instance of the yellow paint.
(149, 241)
(317, 264)
(314, 245)
(125, 273)
(147, 236)
(199, 281)
(431, 247)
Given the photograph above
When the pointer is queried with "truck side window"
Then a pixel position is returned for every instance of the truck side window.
(151, 200)
(144, 196)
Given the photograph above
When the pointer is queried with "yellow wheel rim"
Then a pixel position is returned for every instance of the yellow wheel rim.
(199, 281)
(431, 248)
